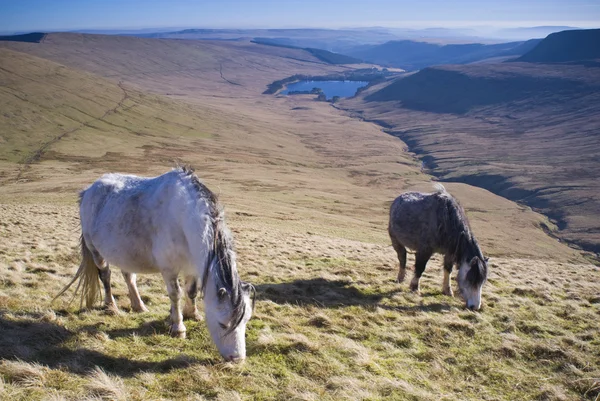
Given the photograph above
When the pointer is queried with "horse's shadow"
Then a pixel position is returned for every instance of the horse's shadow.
(47, 343)
(335, 294)
(145, 329)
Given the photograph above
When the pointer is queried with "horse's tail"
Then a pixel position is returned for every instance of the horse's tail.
(89, 280)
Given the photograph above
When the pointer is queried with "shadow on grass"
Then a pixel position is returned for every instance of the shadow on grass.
(335, 294)
(338, 293)
(319, 292)
(150, 328)
(46, 343)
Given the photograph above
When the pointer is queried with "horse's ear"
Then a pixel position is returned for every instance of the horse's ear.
(486, 259)
(251, 291)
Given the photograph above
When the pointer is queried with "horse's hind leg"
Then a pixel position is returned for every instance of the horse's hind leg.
(137, 305)
(190, 310)
(104, 274)
(177, 327)
(401, 251)
(446, 287)
(421, 259)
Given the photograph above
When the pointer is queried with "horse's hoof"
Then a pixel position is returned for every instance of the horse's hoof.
(139, 309)
(448, 292)
(179, 334)
(177, 330)
(194, 316)
(112, 309)
(400, 277)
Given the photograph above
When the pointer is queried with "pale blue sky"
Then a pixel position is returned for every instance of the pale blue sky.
(48, 15)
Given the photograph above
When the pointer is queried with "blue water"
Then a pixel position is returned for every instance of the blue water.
(330, 88)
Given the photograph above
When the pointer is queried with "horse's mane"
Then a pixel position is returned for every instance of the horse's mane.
(226, 275)
(456, 228)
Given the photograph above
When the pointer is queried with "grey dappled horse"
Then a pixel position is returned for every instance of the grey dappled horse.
(171, 224)
(431, 223)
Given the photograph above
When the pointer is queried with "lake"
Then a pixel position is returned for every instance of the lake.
(330, 88)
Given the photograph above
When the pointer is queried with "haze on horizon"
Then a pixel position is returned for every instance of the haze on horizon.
(66, 15)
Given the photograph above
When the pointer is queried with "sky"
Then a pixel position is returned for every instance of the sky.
(64, 15)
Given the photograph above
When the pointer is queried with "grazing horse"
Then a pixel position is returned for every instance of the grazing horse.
(431, 223)
(171, 224)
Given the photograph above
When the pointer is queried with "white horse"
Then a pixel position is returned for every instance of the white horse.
(169, 224)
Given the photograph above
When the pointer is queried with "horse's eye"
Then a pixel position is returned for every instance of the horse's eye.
(223, 326)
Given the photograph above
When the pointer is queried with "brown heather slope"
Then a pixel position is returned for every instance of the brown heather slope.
(528, 132)
(306, 191)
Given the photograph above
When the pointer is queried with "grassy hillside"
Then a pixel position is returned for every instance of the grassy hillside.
(174, 67)
(306, 190)
(527, 132)
(566, 46)
(323, 55)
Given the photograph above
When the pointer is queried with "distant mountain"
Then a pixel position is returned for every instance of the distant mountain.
(333, 40)
(412, 55)
(35, 37)
(530, 32)
(323, 55)
(574, 45)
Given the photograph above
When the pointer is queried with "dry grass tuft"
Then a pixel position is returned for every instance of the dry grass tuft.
(105, 386)
(23, 373)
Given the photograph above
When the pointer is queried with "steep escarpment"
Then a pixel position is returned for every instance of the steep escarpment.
(458, 89)
(566, 46)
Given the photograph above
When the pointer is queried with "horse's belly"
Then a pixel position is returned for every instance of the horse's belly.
(132, 263)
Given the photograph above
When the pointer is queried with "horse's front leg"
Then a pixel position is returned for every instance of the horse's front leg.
(177, 327)
(446, 287)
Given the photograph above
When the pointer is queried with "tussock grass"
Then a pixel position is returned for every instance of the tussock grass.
(104, 386)
(23, 373)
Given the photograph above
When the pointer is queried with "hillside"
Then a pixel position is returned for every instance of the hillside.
(413, 55)
(566, 46)
(165, 66)
(323, 55)
(306, 190)
(528, 132)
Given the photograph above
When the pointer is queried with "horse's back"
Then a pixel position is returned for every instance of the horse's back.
(137, 223)
(414, 219)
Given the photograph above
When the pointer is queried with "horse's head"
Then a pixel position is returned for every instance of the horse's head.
(227, 313)
(472, 274)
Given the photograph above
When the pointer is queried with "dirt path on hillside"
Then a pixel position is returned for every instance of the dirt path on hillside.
(38, 153)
